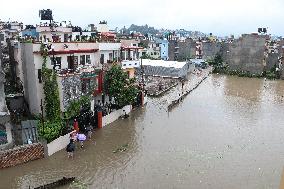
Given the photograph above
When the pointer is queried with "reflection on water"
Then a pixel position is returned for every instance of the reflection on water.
(228, 133)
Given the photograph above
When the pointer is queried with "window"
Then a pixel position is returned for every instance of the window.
(155, 53)
(82, 59)
(110, 56)
(134, 45)
(164, 45)
(151, 53)
(72, 62)
(102, 58)
(56, 61)
(88, 59)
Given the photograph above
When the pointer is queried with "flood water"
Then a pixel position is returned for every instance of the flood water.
(228, 133)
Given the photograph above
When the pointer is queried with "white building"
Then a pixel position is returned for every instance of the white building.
(130, 49)
(10, 30)
(162, 68)
(72, 59)
(54, 34)
(109, 52)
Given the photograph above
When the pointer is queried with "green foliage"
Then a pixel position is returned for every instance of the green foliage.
(78, 185)
(220, 67)
(51, 93)
(50, 130)
(272, 73)
(117, 84)
(75, 106)
(52, 127)
(147, 56)
(141, 44)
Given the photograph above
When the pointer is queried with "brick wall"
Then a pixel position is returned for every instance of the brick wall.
(21, 155)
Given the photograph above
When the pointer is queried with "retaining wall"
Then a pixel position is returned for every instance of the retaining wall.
(115, 115)
(20, 155)
(58, 144)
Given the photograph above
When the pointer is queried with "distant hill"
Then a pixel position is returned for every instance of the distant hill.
(151, 30)
(142, 29)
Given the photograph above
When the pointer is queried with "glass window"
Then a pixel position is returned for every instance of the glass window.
(82, 59)
(88, 59)
(110, 56)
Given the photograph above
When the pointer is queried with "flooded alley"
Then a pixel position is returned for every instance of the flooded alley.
(228, 133)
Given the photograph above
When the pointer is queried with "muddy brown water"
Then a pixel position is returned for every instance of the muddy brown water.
(228, 133)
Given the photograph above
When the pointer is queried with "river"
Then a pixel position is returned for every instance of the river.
(228, 133)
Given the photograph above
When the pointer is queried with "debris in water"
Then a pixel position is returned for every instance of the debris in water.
(121, 148)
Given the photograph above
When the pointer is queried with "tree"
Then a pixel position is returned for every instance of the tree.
(117, 85)
(51, 93)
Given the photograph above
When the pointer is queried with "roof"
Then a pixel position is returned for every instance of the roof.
(163, 63)
(131, 47)
(70, 51)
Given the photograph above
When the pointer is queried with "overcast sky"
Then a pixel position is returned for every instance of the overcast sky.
(221, 17)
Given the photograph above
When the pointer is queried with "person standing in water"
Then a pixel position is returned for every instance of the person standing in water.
(70, 148)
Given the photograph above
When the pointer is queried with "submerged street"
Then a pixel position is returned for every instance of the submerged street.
(228, 133)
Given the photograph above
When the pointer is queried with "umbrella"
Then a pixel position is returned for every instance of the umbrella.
(81, 137)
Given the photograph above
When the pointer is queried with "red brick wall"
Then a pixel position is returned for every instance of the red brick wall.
(21, 155)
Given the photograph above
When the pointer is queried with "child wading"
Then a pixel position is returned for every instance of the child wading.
(70, 148)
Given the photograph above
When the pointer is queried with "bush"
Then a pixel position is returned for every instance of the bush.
(51, 130)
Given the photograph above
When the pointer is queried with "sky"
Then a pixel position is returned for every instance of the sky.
(220, 17)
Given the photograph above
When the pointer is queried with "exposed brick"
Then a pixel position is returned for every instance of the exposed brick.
(22, 154)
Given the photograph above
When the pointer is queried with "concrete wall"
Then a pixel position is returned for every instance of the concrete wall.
(210, 49)
(172, 49)
(20, 155)
(186, 49)
(30, 76)
(272, 60)
(115, 115)
(58, 144)
(246, 53)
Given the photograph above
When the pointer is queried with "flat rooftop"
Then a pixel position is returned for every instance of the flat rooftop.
(163, 63)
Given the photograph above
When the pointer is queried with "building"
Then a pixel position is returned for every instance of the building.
(10, 30)
(154, 50)
(161, 68)
(164, 48)
(75, 64)
(54, 34)
(130, 66)
(246, 53)
(130, 49)
(109, 52)
(79, 64)
(29, 32)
